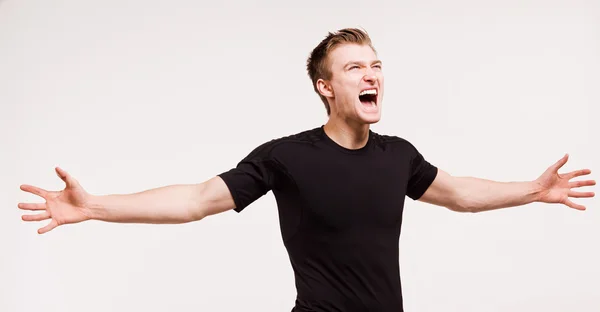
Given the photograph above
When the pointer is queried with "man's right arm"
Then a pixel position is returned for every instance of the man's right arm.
(179, 203)
(168, 204)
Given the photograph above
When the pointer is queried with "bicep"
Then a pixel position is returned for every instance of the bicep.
(214, 197)
(442, 191)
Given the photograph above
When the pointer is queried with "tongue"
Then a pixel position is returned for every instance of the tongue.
(369, 105)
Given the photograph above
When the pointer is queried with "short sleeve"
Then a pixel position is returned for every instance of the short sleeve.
(421, 175)
(253, 177)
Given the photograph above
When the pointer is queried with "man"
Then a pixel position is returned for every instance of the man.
(340, 189)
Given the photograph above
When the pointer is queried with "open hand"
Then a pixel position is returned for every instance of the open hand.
(62, 207)
(557, 187)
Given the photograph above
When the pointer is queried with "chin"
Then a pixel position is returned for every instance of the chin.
(370, 119)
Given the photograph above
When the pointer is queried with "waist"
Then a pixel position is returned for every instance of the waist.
(340, 305)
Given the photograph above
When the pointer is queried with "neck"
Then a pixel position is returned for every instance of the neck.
(347, 134)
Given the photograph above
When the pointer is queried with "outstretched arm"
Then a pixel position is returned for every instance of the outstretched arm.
(469, 194)
(169, 204)
(178, 203)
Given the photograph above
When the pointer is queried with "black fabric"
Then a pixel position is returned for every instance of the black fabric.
(340, 213)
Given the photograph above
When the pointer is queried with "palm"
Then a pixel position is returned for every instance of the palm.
(62, 207)
(557, 188)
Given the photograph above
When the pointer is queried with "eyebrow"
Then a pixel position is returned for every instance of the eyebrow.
(361, 63)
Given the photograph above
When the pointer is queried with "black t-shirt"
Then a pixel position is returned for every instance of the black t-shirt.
(340, 213)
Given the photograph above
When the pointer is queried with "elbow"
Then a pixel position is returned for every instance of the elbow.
(196, 216)
(464, 206)
(464, 201)
(195, 213)
(197, 205)
(452, 193)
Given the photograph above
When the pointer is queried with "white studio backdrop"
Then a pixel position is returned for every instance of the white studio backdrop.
(131, 95)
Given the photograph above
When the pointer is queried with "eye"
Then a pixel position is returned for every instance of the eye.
(353, 67)
(378, 66)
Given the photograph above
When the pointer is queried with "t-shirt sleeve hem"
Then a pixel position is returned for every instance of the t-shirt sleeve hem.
(423, 184)
(236, 199)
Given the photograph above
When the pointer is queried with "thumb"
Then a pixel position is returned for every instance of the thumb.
(66, 177)
(561, 162)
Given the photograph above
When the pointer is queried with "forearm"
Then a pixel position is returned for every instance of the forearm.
(476, 195)
(168, 204)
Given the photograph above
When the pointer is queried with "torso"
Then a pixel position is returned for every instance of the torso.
(340, 214)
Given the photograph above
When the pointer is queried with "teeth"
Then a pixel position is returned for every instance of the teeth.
(371, 91)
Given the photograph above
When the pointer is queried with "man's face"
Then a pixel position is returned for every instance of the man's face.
(356, 84)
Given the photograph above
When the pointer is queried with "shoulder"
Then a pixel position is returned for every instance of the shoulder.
(394, 142)
(301, 139)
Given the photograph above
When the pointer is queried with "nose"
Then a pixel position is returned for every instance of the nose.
(370, 77)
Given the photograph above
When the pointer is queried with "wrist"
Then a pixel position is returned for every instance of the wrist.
(536, 191)
(94, 209)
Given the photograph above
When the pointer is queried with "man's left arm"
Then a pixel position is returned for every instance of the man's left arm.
(469, 194)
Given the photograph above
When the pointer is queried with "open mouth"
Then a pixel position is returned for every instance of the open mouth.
(368, 97)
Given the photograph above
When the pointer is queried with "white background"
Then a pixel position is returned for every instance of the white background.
(132, 95)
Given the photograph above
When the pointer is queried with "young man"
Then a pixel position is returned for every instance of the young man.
(340, 189)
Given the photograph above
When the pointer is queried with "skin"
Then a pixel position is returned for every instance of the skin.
(354, 68)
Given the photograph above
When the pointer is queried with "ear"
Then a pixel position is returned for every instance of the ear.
(325, 88)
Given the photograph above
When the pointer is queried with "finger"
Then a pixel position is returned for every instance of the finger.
(561, 162)
(32, 206)
(578, 173)
(581, 194)
(36, 217)
(65, 176)
(34, 190)
(581, 183)
(48, 227)
(574, 205)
